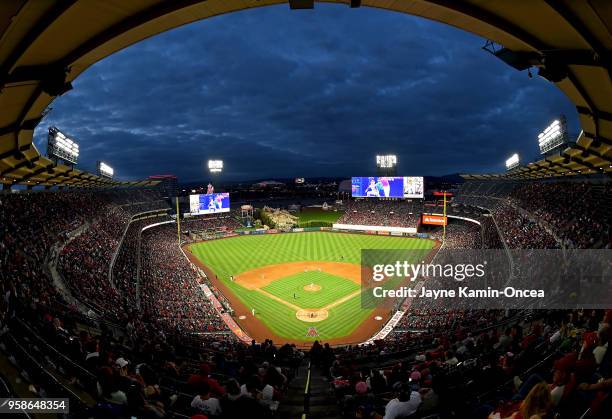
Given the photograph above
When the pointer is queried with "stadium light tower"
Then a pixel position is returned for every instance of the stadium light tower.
(386, 164)
(512, 162)
(62, 147)
(104, 170)
(215, 166)
(554, 136)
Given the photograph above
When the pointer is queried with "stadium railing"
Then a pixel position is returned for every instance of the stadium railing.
(36, 373)
(306, 411)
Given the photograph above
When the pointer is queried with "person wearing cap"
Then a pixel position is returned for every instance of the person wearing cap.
(361, 402)
(124, 380)
(562, 375)
(121, 364)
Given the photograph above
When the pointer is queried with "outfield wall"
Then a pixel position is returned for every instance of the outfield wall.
(386, 229)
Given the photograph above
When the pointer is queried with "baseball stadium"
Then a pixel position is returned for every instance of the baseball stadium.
(388, 209)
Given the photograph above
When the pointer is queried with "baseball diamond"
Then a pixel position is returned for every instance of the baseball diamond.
(298, 280)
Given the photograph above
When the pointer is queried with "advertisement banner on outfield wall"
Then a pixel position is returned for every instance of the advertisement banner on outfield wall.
(298, 230)
(487, 278)
(272, 231)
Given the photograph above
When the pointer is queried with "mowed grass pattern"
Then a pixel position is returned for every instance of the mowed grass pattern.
(332, 288)
(235, 255)
(315, 215)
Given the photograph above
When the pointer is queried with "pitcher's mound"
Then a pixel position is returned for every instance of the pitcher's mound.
(311, 316)
(312, 287)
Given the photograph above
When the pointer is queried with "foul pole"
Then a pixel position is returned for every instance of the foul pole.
(444, 221)
(178, 222)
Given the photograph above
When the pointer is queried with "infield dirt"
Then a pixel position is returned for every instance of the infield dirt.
(261, 277)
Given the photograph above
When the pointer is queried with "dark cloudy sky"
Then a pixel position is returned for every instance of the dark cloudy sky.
(280, 93)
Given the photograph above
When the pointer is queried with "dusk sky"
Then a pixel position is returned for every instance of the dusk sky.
(280, 93)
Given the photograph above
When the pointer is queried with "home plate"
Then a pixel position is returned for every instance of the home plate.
(378, 318)
(242, 317)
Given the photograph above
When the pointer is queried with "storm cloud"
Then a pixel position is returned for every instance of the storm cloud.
(280, 93)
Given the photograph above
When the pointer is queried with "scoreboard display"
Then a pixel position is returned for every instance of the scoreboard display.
(387, 187)
(377, 187)
(209, 203)
(414, 187)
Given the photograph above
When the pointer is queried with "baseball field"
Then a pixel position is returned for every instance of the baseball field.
(300, 286)
(317, 217)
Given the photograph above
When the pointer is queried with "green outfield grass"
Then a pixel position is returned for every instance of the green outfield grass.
(317, 217)
(332, 288)
(235, 255)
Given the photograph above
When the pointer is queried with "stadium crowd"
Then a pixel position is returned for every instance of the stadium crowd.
(578, 210)
(392, 213)
(579, 213)
(175, 354)
(555, 363)
(210, 223)
(460, 235)
(85, 260)
(520, 231)
(171, 293)
(32, 223)
(126, 267)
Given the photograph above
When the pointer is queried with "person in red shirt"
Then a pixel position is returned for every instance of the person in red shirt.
(203, 376)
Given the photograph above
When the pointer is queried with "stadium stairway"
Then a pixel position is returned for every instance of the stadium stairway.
(292, 405)
(321, 403)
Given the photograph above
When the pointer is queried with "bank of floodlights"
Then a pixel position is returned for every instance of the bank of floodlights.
(387, 161)
(553, 136)
(104, 170)
(62, 147)
(512, 162)
(215, 166)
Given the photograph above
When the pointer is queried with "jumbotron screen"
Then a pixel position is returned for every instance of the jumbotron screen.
(377, 187)
(414, 187)
(387, 187)
(209, 203)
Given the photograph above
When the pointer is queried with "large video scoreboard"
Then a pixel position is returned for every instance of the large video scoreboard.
(387, 187)
(209, 203)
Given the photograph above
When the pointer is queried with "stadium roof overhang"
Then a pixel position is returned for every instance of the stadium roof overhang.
(46, 44)
(579, 159)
